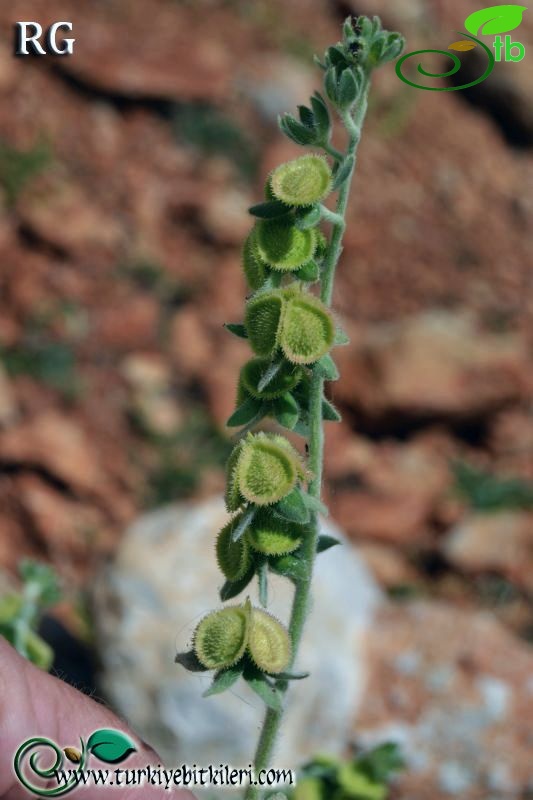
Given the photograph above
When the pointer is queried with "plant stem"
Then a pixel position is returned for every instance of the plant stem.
(302, 592)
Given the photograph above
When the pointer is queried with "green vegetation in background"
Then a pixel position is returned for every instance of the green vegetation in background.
(17, 167)
(20, 613)
(150, 277)
(365, 777)
(212, 132)
(42, 355)
(50, 362)
(183, 457)
(484, 491)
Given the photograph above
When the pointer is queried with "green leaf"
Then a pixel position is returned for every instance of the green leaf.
(309, 273)
(307, 117)
(327, 368)
(233, 588)
(259, 684)
(247, 412)
(381, 762)
(270, 210)
(308, 217)
(330, 84)
(291, 567)
(495, 19)
(329, 412)
(348, 89)
(110, 746)
(262, 577)
(190, 661)
(46, 588)
(293, 508)
(314, 504)
(484, 491)
(341, 338)
(269, 375)
(326, 543)
(295, 131)
(292, 676)
(224, 679)
(377, 49)
(236, 329)
(286, 411)
(302, 428)
(343, 172)
(322, 117)
(336, 56)
(244, 523)
(395, 44)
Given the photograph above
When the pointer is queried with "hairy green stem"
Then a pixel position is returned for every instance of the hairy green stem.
(302, 594)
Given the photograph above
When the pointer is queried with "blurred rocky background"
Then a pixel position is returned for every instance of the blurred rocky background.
(126, 171)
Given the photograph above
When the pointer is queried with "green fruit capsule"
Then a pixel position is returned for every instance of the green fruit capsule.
(303, 181)
(266, 472)
(307, 330)
(286, 378)
(268, 642)
(221, 637)
(233, 557)
(282, 246)
(284, 443)
(261, 319)
(272, 536)
(254, 269)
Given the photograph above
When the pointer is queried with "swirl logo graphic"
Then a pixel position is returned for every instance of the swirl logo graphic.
(491, 21)
(107, 745)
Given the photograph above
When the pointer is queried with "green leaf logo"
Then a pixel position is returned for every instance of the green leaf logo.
(495, 19)
(110, 746)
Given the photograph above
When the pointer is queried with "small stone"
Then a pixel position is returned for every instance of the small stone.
(152, 398)
(454, 778)
(496, 696)
(501, 542)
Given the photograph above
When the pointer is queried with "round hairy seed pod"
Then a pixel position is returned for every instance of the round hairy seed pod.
(262, 318)
(233, 557)
(268, 642)
(273, 536)
(303, 181)
(233, 497)
(307, 330)
(221, 637)
(282, 246)
(285, 379)
(266, 472)
(254, 269)
(281, 441)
